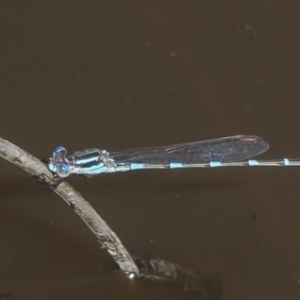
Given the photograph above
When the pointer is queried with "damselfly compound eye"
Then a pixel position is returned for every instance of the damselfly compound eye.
(62, 170)
(60, 150)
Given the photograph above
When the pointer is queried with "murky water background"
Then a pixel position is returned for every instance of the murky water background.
(117, 75)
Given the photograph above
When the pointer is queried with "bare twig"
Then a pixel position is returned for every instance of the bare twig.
(106, 237)
(156, 269)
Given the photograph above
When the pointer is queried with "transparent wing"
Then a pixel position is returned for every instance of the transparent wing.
(228, 149)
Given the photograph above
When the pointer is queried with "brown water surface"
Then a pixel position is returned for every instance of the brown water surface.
(123, 74)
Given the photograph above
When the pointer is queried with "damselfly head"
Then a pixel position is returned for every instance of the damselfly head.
(58, 163)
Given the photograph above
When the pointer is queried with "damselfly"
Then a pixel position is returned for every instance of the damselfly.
(223, 152)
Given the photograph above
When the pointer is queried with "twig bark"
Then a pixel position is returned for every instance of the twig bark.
(206, 288)
(106, 237)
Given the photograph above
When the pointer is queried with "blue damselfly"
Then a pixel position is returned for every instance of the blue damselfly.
(232, 151)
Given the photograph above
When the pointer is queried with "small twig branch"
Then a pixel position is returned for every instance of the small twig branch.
(156, 269)
(106, 237)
